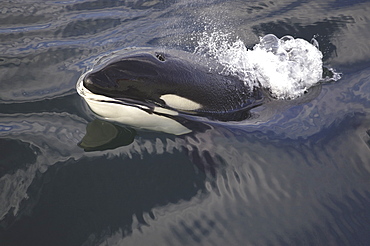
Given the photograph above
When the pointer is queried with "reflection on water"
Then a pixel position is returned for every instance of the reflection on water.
(102, 135)
(296, 173)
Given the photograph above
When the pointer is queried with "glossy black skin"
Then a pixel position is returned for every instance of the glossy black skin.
(145, 76)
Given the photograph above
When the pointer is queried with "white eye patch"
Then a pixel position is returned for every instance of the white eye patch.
(178, 102)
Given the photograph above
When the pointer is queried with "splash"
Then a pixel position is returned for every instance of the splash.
(288, 67)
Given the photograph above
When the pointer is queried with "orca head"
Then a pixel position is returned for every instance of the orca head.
(151, 78)
(125, 78)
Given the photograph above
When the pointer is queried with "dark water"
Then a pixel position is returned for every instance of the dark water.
(298, 176)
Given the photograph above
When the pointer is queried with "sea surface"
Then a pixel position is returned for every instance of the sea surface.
(296, 173)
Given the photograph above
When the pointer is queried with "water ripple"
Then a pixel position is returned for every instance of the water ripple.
(295, 174)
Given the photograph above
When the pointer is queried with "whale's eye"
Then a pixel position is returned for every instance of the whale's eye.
(160, 56)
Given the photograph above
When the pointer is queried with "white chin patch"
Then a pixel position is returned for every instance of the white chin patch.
(137, 117)
(181, 103)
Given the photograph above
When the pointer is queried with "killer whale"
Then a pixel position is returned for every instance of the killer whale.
(149, 88)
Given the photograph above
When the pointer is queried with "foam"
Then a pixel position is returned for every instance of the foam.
(288, 66)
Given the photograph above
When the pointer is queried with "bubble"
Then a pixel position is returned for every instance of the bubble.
(270, 43)
(286, 38)
(315, 43)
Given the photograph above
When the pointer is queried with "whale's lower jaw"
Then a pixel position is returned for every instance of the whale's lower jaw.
(138, 117)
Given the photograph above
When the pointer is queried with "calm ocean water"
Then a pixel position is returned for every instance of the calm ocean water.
(297, 175)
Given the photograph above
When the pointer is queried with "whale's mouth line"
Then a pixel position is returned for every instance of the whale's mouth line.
(147, 106)
(88, 95)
